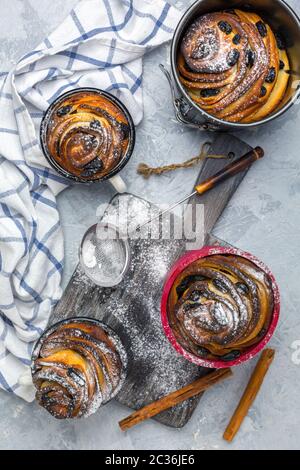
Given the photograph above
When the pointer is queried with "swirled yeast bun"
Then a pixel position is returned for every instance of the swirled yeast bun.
(87, 134)
(220, 303)
(233, 66)
(78, 365)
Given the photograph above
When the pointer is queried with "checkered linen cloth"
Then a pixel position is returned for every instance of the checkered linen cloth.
(101, 45)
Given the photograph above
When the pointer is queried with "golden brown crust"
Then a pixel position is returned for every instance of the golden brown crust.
(220, 303)
(87, 134)
(78, 367)
(229, 63)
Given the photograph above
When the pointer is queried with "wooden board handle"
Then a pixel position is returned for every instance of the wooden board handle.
(232, 169)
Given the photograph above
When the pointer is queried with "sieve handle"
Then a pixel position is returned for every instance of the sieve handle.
(232, 169)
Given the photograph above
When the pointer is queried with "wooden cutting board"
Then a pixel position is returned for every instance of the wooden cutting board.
(132, 309)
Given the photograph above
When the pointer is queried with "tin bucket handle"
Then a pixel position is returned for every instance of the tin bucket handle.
(182, 108)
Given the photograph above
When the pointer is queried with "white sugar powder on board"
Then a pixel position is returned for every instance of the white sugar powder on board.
(88, 254)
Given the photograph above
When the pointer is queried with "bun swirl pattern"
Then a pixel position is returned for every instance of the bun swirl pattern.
(87, 134)
(219, 304)
(233, 67)
(77, 367)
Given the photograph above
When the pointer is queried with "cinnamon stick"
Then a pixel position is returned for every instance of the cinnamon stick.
(249, 394)
(174, 398)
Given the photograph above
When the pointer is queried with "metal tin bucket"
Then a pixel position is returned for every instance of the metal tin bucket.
(63, 172)
(279, 16)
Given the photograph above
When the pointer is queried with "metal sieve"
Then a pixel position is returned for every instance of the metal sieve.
(104, 251)
(104, 255)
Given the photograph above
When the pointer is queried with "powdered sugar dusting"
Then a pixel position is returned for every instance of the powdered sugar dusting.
(162, 368)
(74, 384)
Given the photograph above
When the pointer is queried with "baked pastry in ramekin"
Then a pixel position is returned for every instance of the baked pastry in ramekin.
(219, 306)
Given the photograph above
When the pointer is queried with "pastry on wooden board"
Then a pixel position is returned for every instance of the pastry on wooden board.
(78, 365)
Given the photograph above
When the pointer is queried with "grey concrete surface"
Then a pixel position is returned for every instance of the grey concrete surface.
(263, 217)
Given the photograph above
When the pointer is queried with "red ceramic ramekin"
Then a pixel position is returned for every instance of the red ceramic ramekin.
(178, 267)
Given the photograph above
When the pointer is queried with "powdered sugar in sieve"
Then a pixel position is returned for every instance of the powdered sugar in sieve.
(104, 255)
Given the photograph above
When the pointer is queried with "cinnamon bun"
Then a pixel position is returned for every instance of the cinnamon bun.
(87, 135)
(220, 305)
(77, 365)
(233, 66)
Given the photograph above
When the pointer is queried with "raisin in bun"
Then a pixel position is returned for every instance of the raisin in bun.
(87, 135)
(233, 67)
(219, 304)
(78, 365)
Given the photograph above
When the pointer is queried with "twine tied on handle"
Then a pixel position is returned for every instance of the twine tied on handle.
(146, 171)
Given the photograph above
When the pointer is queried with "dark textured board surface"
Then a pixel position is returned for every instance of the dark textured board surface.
(132, 309)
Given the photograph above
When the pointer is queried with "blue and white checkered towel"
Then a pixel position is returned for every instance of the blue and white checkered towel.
(100, 45)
